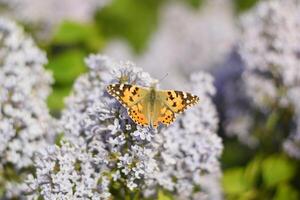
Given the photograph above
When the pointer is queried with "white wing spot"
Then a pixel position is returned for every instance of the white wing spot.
(184, 95)
(188, 101)
(121, 86)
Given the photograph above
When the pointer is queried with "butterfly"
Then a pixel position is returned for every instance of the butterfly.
(150, 107)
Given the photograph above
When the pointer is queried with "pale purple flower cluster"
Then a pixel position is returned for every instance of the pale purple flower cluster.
(47, 14)
(270, 48)
(25, 123)
(105, 149)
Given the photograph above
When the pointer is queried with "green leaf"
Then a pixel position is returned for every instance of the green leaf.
(253, 171)
(2, 182)
(67, 66)
(272, 120)
(194, 3)
(250, 195)
(73, 33)
(59, 138)
(243, 5)
(133, 20)
(56, 99)
(235, 154)
(277, 169)
(285, 191)
(234, 182)
(163, 195)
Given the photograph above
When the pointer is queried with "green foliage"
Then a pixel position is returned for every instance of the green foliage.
(2, 183)
(235, 154)
(194, 3)
(66, 51)
(56, 99)
(59, 139)
(162, 195)
(286, 191)
(262, 178)
(253, 171)
(67, 66)
(277, 169)
(243, 5)
(234, 181)
(71, 33)
(133, 20)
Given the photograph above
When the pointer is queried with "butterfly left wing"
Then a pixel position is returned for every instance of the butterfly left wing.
(128, 95)
(132, 98)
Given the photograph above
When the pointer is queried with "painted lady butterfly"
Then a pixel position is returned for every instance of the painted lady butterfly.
(147, 106)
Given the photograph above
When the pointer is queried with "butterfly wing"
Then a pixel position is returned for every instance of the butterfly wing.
(132, 97)
(163, 115)
(177, 101)
(171, 102)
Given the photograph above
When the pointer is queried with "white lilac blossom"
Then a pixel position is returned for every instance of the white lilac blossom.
(271, 51)
(270, 48)
(234, 106)
(69, 172)
(120, 157)
(51, 12)
(199, 39)
(190, 147)
(25, 123)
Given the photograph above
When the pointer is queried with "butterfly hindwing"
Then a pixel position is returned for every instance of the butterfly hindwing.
(137, 114)
(132, 98)
(165, 116)
(177, 101)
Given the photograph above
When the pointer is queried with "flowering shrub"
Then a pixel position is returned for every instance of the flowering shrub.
(93, 150)
(268, 47)
(105, 154)
(25, 124)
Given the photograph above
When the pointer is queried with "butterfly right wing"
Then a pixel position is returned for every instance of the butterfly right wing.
(163, 115)
(132, 97)
(177, 101)
(171, 102)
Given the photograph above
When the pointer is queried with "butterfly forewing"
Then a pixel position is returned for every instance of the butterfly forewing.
(127, 94)
(132, 97)
(177, 101)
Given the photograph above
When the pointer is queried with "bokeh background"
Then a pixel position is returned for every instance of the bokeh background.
(251, 47)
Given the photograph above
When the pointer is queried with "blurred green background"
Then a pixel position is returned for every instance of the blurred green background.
(131, 20)
(261, 173)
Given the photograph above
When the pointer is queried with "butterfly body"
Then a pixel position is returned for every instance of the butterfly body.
(150, 107)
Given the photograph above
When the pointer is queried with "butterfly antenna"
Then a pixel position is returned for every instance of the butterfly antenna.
(163, 77)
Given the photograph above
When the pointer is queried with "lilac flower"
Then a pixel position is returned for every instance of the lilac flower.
(41, 13)
(69, 172)
(270, 50)
(25, 123)
(121, 155)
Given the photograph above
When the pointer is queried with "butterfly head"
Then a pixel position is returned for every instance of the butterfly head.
(154, 84)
